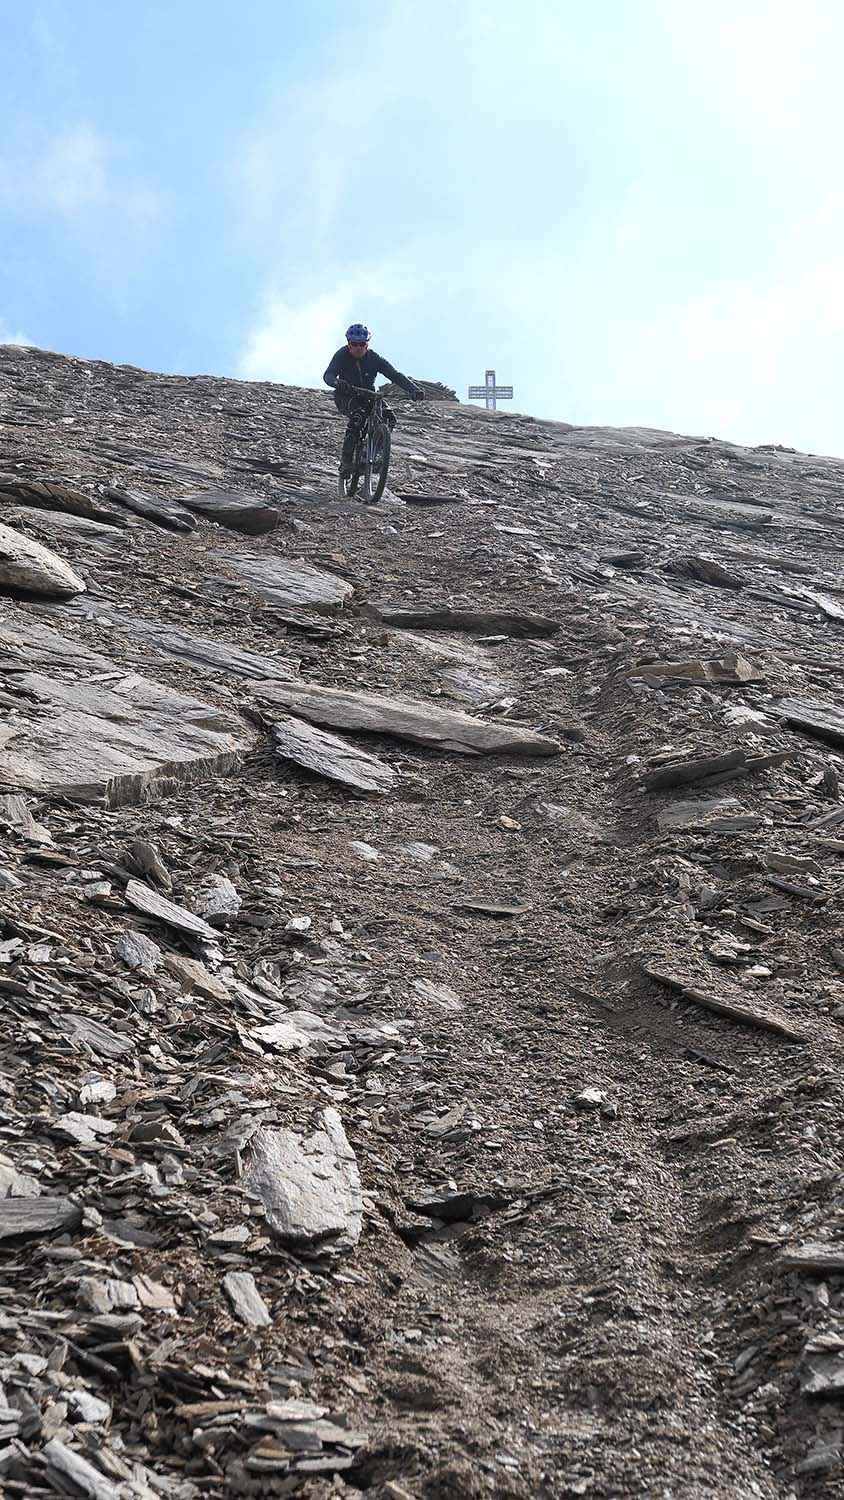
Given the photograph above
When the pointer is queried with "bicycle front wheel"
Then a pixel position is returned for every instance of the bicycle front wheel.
(377, 463)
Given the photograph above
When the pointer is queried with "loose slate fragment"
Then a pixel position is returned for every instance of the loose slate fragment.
(146, 900)
(333, 758)
(704, 570)
(139, 952)
(27, 566)
(285, 582)
(822, 1371)
(492, 908)
(683, 772)
(478, 621)
(163, 512)
(249, 514)
(732, 668)
(26, 1218)
(816, 1258)
(15, 812)
(309, 1186)
(706, 815)
(246, 1300)
(92, 1035)
(821, 721)
(50, 494)
(733, 1010)
(406, 718)
(71, 1466)
(194, 978)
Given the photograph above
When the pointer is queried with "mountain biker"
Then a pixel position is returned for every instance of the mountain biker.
(352, 373)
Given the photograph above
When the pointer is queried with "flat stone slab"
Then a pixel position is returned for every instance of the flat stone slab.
(478, 621)
(28, 566)
(106, 741)
(819, 720)
(406, 718)
(52, 494)
(164, 513)
(289, 583)
(328, 756)
(66, 528)
(27, 1218)
(309, 1186)
(250, 514)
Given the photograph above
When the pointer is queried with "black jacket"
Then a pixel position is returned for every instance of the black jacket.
(363, 371)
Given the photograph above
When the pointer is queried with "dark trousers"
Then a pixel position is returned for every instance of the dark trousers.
(357, 413)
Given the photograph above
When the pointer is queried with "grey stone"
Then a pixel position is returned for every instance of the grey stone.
(139, 952)
(114, 743)
(309, 1186)
(406, 718)
(146, 900)
(71, 1466)
(27, 1218)
(246, 513)
(327, 755)
(287, 583)
(27, 566)
(246, 1300)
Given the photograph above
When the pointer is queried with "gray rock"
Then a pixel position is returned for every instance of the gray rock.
(220, 899)
(27, 1218)
(82, 1475)
(309, 1186)
(139, 952)
(146, 900)
(71, 531)
(246, 1300)
(114, 743)
(326, 755)
(478, 621)
(26, 565)
(287, 583)
(406, 718)
(247, 513)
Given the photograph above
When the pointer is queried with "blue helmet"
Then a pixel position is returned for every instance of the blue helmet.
(357, 333)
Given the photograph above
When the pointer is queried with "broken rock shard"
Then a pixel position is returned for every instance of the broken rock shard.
(309, 1185)
(405, 718)
(28, 567)
(115, 742)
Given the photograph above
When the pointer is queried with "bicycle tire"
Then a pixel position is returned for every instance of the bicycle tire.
(376, 473)
(350, 482)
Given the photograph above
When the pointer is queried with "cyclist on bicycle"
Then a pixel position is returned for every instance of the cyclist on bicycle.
(352, 374)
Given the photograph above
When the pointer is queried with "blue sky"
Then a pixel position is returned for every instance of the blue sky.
(633, 209)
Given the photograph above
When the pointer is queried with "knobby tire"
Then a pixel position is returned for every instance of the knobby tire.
(378, 464)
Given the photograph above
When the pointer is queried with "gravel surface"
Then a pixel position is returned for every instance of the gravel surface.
(552, 1053)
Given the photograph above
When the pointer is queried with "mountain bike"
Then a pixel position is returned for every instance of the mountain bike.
(371, 457)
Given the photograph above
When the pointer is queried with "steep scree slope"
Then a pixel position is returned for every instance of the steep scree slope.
(430, 1099)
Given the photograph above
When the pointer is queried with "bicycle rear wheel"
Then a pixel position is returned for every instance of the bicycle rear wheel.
(377, 463)
(349, 482)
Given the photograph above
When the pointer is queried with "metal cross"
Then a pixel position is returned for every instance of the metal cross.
(490, 392)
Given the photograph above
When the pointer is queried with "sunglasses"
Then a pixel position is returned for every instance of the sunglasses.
(357, 343)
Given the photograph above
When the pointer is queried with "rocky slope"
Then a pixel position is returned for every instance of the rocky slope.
(421, 954)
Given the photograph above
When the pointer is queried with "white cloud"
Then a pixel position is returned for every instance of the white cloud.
(71, 174)
(10, 335)
(300, 323)
(292, 341)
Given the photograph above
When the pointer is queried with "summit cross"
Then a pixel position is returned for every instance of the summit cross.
(490, 392)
